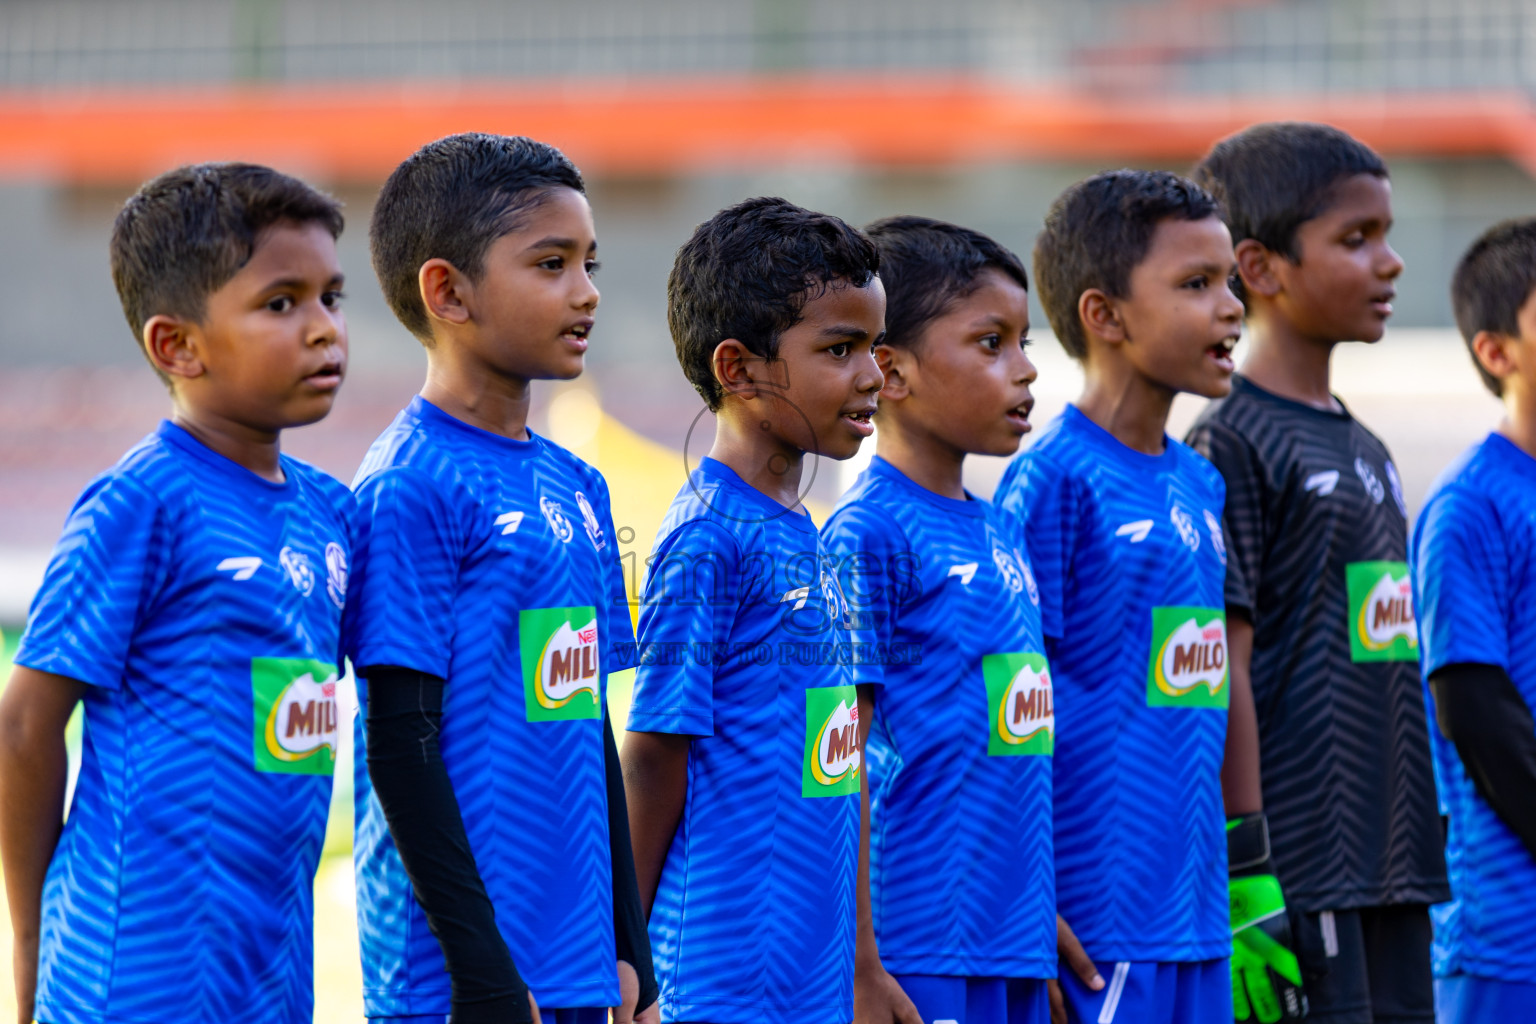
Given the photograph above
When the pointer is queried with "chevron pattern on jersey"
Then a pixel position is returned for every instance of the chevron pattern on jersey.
(754, 916)
(1141, 870)
(962, 874)
(459, 531)
(1348, 786)
(1474, 573)
(184, 876)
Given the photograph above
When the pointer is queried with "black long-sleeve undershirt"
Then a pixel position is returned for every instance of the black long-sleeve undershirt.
(1479, 709)
(407, 772)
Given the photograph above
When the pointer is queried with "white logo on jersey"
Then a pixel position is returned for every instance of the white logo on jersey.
(589, 519)
(243, 566)
(1367, 476)
(299, 573)
(966, 572)
(1009, 568)
(509, 522)
(1030, 584)
(1137, 531)
(1396, 483)
(832, 591)
(799, 595)
(555, 516)
(1217, 540)
(1321, 484)
(336, 574)
(1186, 527)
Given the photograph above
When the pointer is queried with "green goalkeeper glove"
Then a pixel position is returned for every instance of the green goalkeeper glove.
(1266, 978)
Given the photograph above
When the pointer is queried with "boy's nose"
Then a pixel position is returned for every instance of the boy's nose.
(1391, 264)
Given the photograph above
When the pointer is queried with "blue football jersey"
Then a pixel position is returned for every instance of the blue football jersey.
(492, 563)
(201, 606)
(1130, 558)
(744, 646)
(1473, 555)
(959, 752)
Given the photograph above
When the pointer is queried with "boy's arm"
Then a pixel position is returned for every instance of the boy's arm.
(1241, 789)
(34, 766)
(655, 768)
(877, 997)
(1479, 709)
(632, 944)
(405, 766)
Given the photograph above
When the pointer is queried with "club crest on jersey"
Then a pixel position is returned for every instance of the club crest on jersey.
(589, 520)
(561, 663)
(1395, 482)
(1382, 625)
(296, 564)
(1020, 705)
(1185, 524)
(1368, 477)
(1188, 663)
(1008, 567)
(554, 515)
(295, 715)
(1030, 586)
(1218, 542)
(832, 754)
(336, 574)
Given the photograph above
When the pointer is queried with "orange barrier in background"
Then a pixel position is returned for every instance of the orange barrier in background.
(346, 132)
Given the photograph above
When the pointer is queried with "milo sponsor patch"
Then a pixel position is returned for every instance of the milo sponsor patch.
(1188, 665)
(1381, 623)
(560, 663)
(294, 705)
(1020, 710)
(832, 754)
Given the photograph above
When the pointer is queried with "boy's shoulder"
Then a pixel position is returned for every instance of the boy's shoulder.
(1491, 472)
(1277, 430)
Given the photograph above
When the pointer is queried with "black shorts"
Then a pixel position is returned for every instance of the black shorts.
(1368, 966)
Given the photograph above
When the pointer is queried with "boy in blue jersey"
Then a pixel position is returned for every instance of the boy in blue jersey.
(742, 761)
(959, 747)
(1126, 541)
(193, 605)
(1473, 555)
(493, 858)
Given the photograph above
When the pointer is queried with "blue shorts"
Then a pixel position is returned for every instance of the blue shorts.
(578, 1015)
(1463, 999)
(1153, 993)
(978, 1000)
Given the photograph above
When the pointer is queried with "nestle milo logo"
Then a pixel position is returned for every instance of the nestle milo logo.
(832, 752)
(1187, 667)
(1381, 622)
(1021, 709)
(294, 715)
(561, 663)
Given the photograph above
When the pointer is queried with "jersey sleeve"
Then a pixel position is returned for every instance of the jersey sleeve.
(619, 628)
(872, 559)
(102, 579)
(1461, 582)
(1046, 500)
(686, 615)
(1243, 522)
(405, 564)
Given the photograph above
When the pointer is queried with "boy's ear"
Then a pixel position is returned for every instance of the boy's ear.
(172, 345)
(732, 366)
(444, 290)
(1099, 316)
(894, 364)
(1256, 266)
(1494, 353)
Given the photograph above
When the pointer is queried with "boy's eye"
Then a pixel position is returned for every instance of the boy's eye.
(280, 303)
(1197, 283)
(593, 266)
(553, 263)
(991, 342)
(1354, 241)
(840, 350)
(332, 300)
(1026, 341)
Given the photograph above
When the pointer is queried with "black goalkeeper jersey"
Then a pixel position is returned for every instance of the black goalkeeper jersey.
(1318, 547)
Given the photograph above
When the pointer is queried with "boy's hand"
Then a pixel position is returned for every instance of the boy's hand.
(879, 999)
(629, 992)
(1266, 977)
(1070, 950)
(533, 1005)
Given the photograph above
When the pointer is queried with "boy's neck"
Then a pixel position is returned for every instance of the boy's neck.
(494, 402)
(1519, 423)
(764, 462)
(927, 461)
(1129, 407)
(1285, 362)
(259, 451)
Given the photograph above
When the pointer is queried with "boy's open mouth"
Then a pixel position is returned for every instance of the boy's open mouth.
(576, 334)
(1018, 416)
(861, 420)
(1222, 352)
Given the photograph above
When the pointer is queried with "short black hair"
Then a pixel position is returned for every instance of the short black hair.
(1272, 178)
(1096, 233)
(747, 274)
(450, 200)
(183, 235)
(927, 264)
(1493, 279)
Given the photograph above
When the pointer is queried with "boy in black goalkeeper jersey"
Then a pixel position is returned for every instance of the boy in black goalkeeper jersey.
(1320, 614)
